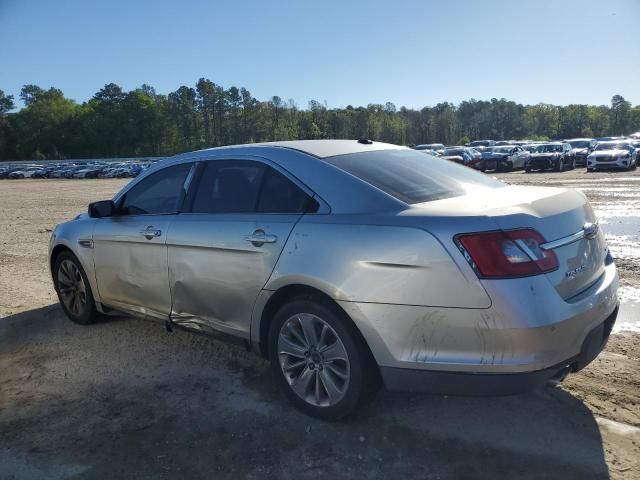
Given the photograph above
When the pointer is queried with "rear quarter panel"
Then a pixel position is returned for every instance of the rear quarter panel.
(374, 263)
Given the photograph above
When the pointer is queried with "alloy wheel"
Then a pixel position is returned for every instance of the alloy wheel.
(313, 360)
(72, 288)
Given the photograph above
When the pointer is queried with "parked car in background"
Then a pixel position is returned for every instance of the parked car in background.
(76, 168)
(44, 172)
(504, 158)
(505, 142)
(607, 139)
(551, 156)
(477, 156)
(635, 143)
(616, 154)
(430, 146)
(57, 173)
(340, 273)
(5, 172)
(26, 172)
(531, 147)
(482, 143)
(86, 172)
(463, 155)
(580, 149)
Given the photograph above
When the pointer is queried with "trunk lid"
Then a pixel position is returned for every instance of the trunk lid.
(559, 214)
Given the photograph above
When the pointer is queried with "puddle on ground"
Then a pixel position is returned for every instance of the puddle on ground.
(629, 314)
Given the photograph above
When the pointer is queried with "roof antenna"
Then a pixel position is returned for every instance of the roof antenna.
(365, 141)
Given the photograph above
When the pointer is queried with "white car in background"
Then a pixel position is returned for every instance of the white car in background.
(614, 154)
(25, 172)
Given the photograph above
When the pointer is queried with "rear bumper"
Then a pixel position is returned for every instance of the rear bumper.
(461, 383)
(528, 334)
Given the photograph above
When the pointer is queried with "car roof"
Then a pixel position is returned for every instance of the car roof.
(304, 161)
(319, 148)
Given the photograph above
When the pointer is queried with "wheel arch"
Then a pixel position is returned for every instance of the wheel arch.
(85, 263)
(298, 290)
(55, 252)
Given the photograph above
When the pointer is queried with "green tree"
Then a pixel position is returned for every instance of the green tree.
(620, 110)
(7, 132)
(42, 127)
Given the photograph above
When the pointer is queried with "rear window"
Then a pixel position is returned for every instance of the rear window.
(413, 177)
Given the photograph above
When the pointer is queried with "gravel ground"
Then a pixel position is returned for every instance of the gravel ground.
(124, 399)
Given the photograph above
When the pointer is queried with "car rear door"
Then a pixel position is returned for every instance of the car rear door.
(221, 252)
(130, 252)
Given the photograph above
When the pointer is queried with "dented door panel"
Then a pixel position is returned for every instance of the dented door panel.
(131, 268)
(216, 272)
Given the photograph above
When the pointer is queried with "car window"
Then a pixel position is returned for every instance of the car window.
(159, 193)
(228, 187)
(411, 177)
(281, 195)
(549, 148)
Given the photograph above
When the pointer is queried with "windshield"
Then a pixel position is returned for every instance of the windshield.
(611, 146)
(531, 148)
(413, 177)
(549, 148)
(580, 144)
(502, 149)
(480, 143)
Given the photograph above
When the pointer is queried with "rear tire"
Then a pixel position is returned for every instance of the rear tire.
(302, 334)
(73, 289)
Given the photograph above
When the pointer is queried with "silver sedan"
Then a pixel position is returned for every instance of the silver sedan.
(346, 262)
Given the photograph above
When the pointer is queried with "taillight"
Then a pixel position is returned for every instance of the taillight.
(507, 254)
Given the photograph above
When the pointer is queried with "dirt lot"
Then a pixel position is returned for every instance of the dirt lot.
(124, 399)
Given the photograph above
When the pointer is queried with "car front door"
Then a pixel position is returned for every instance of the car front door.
(221, 252)
(517, 158)
(130, 252)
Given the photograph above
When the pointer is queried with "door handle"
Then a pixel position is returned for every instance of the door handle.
(259, 238)
(150, 232)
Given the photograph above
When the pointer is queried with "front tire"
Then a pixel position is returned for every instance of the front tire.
(73, 289)
(319, 358)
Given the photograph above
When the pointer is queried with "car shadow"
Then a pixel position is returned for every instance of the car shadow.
(123, 398)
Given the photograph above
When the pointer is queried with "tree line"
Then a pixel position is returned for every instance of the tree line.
(142, 122)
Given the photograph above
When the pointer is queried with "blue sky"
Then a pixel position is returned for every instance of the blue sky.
(412, 53)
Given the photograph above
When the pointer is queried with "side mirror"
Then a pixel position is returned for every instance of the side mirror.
(101, 209)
